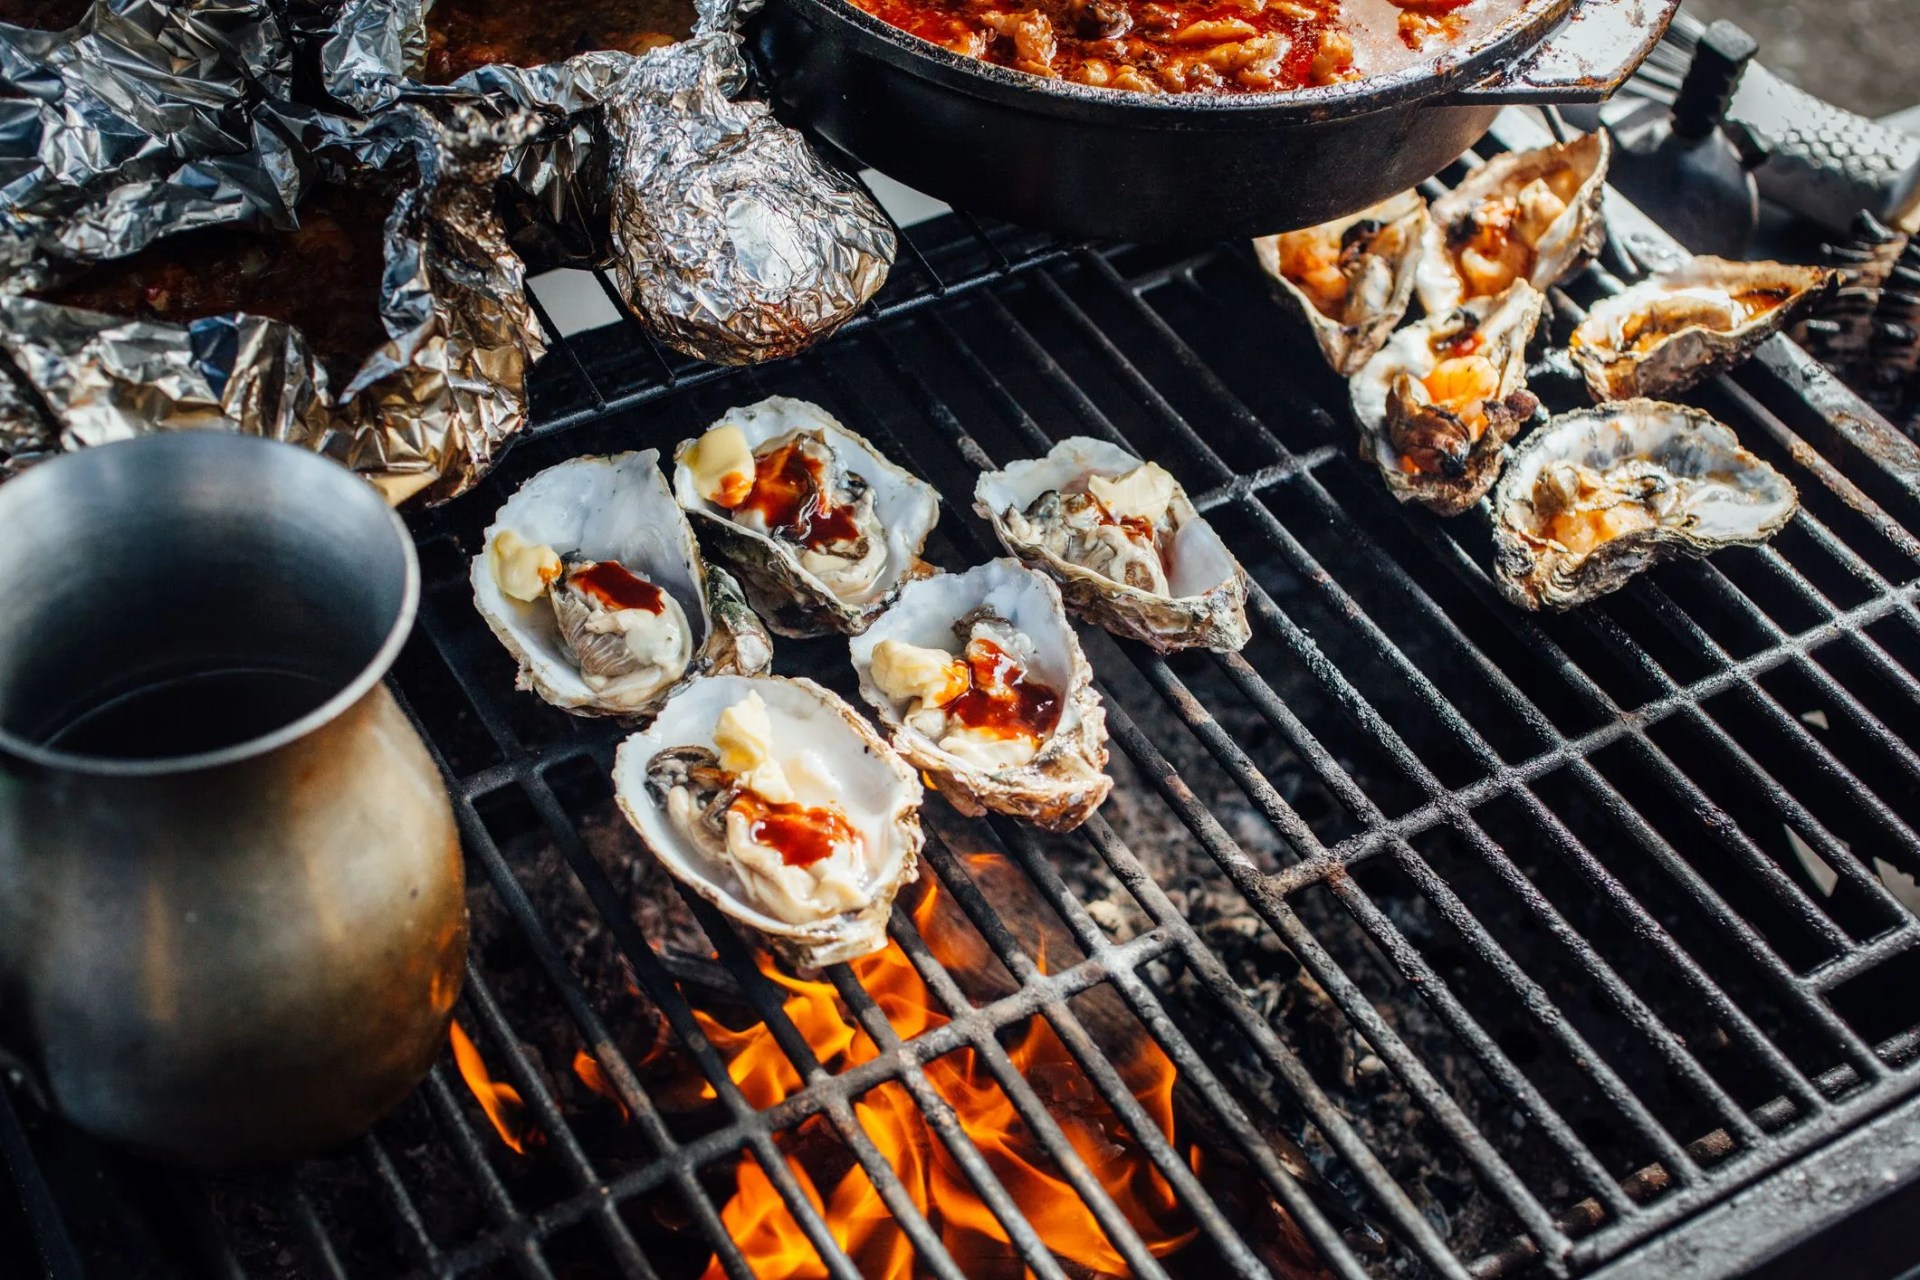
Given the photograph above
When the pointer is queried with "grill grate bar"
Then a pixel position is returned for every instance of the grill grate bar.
(1073, 1034)
(766, 1003)
(940, 1115)
(399, 1203)
(1304, 564)
(308, 1229)
(55, 1246)
(1306, 1212)
(559, 1135)
(1354, 1004)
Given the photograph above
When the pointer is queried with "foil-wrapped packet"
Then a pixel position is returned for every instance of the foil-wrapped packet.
(407, 198)
(729, 237)
(733, 240)
(374, 53)
(138, 121)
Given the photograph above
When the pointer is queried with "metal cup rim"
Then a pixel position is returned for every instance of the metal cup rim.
(16, 749)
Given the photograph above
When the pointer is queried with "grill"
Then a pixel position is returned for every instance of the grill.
(1614, 904)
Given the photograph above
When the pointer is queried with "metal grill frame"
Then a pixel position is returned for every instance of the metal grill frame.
(1853, 1112)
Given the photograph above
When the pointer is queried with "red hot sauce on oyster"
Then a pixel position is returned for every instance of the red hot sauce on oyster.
(790, 495)
(618, 587)
(1000, 701)
(801, 834)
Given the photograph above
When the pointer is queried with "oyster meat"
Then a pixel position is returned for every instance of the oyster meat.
(1125, 546)
(818, 524)
(1525, 215)
(1437, 406)
(1598, 495)
(1676, 330)
(980, 680)
(590, 576)
(1351, 278)
(773, 800)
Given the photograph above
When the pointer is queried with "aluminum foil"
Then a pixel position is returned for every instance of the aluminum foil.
(730, 238)
(371, 56)
(423, 415)
(733, 240)
(138, 122)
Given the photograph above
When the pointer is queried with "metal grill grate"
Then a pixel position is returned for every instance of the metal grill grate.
(1540, 869)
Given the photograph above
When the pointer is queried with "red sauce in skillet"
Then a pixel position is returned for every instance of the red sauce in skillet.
(1198, 46)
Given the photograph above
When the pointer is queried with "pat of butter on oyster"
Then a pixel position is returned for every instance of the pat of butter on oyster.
(906, 671)
(523, 569)
(743, 736)
(1144, 493)
(817, 881)
(722, 465)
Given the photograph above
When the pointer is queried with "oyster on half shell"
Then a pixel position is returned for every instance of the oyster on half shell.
(1125, 546)
(1598, 495)
(1525, 215)
(981, 683)
(820, 527)
(591, 578)
(1351, 278)
(1673, 331)
(1437, 406)
(773, 800)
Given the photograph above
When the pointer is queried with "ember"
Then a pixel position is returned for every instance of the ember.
(773, 1243)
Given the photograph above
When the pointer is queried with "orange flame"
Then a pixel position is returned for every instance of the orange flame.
(859, 1220)
(501, 1102)
(587, 1067)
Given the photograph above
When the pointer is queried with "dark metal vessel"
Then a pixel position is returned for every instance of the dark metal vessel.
(229, 932)
(1179, 167)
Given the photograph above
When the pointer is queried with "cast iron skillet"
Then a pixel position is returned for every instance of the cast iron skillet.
(1108, 162)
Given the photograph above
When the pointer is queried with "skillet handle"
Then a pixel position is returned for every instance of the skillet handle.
(1601, 43)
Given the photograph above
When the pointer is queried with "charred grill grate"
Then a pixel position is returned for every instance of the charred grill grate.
(1536, 873)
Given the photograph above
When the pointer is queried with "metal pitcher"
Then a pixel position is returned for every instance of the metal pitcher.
(232, 908)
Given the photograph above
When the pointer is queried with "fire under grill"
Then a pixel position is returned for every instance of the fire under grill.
(1425, 937)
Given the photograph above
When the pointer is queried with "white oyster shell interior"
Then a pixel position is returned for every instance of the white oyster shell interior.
(1378, 282)
(598, 508)
(926, 611)
(1198, 561)
(1563, 243)
(1698, 491)
(905, 506)
(831, 756)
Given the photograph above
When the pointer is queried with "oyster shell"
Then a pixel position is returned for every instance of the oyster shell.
(1525, 215)
(1351, 278)
(1437, 406)
(538, 584)
(1158, 574)
(1676, 330)
(773, 800)
(1598, 495)
(806, 573)
(980, 681)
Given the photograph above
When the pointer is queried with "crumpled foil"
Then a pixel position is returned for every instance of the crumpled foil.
(369, 58)
(423, 416)
(136, 123)
(733, 240)
(730, 238)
